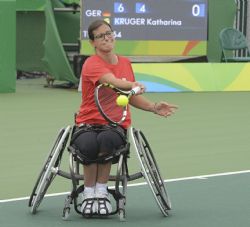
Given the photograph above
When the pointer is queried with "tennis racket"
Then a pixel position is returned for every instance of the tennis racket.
(105, 99)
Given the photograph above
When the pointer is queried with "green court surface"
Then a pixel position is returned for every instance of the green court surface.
(209, 134)
(213, 201)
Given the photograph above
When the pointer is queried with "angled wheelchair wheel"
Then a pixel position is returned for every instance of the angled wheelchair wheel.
(49, 169)
(121, 186)
(150, 170)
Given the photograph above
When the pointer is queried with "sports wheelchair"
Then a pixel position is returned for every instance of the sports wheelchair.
(149, 170)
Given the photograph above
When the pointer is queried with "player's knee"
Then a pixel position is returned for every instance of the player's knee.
(90, 154)
(108, 142)
(87, 148)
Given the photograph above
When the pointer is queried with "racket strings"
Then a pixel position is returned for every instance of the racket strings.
(107, 102)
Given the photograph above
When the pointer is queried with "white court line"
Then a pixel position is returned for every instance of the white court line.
(201, 177)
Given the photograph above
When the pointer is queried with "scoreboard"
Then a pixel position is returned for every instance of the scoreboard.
(150, 27)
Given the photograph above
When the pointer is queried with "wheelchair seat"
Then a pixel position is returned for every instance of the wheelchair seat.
(149, 171)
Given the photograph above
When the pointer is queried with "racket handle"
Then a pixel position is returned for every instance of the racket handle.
(135, 90)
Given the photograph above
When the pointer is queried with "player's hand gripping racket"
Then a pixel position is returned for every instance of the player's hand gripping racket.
(111, 109)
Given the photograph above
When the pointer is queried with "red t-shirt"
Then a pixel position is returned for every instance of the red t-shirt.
(93, 69)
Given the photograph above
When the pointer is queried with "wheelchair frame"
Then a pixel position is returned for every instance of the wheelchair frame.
(149, 170)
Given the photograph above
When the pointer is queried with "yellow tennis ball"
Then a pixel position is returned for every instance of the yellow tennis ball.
(122, 100)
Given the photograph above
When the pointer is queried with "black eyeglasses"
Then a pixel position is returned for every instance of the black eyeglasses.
(101, 36)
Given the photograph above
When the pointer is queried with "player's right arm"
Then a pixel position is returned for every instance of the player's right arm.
(119, 83)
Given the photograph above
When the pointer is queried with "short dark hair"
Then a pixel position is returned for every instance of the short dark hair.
(94, 25)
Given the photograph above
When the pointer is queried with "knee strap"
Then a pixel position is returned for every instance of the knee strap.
(104, 158)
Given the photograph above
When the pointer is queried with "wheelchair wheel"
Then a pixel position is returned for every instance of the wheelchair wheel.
(151, 170)
(49, 169)
(121, 186)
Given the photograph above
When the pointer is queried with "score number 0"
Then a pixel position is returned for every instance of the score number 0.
(198, 10)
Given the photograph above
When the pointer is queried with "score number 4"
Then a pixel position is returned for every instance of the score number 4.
(140, 7)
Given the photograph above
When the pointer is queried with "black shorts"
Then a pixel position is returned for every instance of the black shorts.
(93, 141)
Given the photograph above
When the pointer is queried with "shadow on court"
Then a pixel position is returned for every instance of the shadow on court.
(221, 201)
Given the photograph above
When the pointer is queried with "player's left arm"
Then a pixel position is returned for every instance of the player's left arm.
(161, 108)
